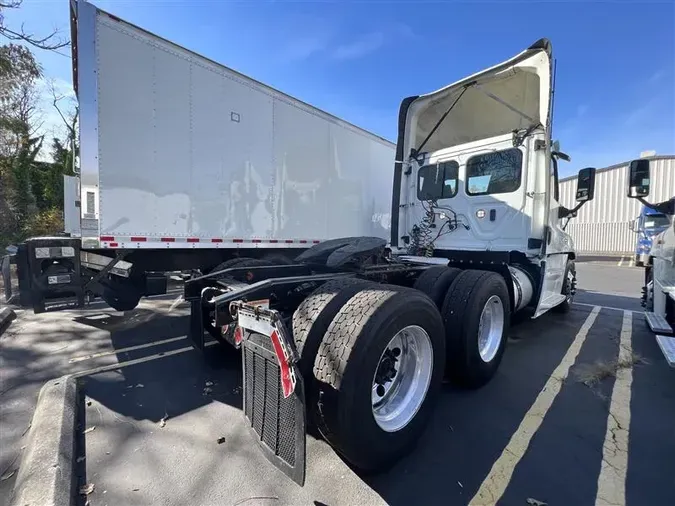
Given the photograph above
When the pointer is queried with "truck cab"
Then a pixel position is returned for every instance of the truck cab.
(648, 225)
(478, 178)
(658, 291)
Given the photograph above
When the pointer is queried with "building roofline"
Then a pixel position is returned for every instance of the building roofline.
(623, 164)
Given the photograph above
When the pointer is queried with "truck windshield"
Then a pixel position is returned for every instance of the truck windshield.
(653, 221)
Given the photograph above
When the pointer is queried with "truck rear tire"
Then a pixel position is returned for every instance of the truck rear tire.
(476, 314)
(311, 321)
(314, 315)
(379, 370)
(435, 282)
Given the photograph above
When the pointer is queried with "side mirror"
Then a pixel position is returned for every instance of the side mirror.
(638, 179)
(586, 184)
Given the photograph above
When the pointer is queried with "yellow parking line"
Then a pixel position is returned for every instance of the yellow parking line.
(122, 365)
(612, 479)
(122, 350)
(494, 485)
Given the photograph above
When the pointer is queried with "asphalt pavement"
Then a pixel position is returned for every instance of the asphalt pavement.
(161, 424)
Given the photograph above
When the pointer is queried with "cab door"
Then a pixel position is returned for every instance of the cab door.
(558, 245)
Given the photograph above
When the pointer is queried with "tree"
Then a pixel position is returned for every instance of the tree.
(19, 145)
(49, 42)
(31, 192)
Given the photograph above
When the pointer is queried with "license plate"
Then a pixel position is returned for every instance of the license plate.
(58, 280)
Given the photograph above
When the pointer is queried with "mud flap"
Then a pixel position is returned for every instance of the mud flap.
(274, 393)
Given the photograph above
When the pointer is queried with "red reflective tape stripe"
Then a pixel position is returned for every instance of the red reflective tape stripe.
(274, 241)
(193, 239)
(138, 239)
(107, 238)
(113, 245)
(316, 242)
(168, 239)
(237, 240)
(289, 241)
(302, 241)
(285, 371)
(216, 240)
(256, 241)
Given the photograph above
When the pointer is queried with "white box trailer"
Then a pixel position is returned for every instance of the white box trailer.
(199, 164)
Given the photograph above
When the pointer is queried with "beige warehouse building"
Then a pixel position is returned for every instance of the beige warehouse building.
(601, 226)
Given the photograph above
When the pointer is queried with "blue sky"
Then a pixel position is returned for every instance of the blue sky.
(615, 92)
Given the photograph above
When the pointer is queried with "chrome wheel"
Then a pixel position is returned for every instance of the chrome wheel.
(402, 378)
(649, 295)
(490, 328)
(570, 288)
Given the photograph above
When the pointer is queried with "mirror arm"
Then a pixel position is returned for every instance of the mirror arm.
(563, 212)
(667, 207)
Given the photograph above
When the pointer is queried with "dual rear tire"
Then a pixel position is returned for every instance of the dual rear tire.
(373, 356)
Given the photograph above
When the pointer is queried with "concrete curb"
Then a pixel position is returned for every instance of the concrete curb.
(46, 476)
(6, 316)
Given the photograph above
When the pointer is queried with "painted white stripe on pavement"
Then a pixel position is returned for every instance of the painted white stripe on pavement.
(122, 350)
(632, 262)
(122, 365)
(612, 479)
(606, 307)
(494, 485)
(620, 262)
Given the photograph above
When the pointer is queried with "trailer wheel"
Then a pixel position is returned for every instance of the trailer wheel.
(121, 299)
(379, 369)
(435, 282)
(568, 289)
(476, 314)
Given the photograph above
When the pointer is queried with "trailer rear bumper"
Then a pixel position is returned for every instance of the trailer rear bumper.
(49, 271)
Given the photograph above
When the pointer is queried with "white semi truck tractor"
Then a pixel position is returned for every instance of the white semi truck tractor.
(658, 291)
(185, 165)
(356, 335)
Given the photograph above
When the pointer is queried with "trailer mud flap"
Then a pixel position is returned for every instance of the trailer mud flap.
(274, 396)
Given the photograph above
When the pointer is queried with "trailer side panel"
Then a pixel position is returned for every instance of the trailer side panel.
(194, 153)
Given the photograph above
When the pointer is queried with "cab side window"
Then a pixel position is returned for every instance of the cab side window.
(437, 181)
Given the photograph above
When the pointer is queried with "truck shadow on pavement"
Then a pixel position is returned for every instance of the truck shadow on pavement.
(595, 298)
(190, 401)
